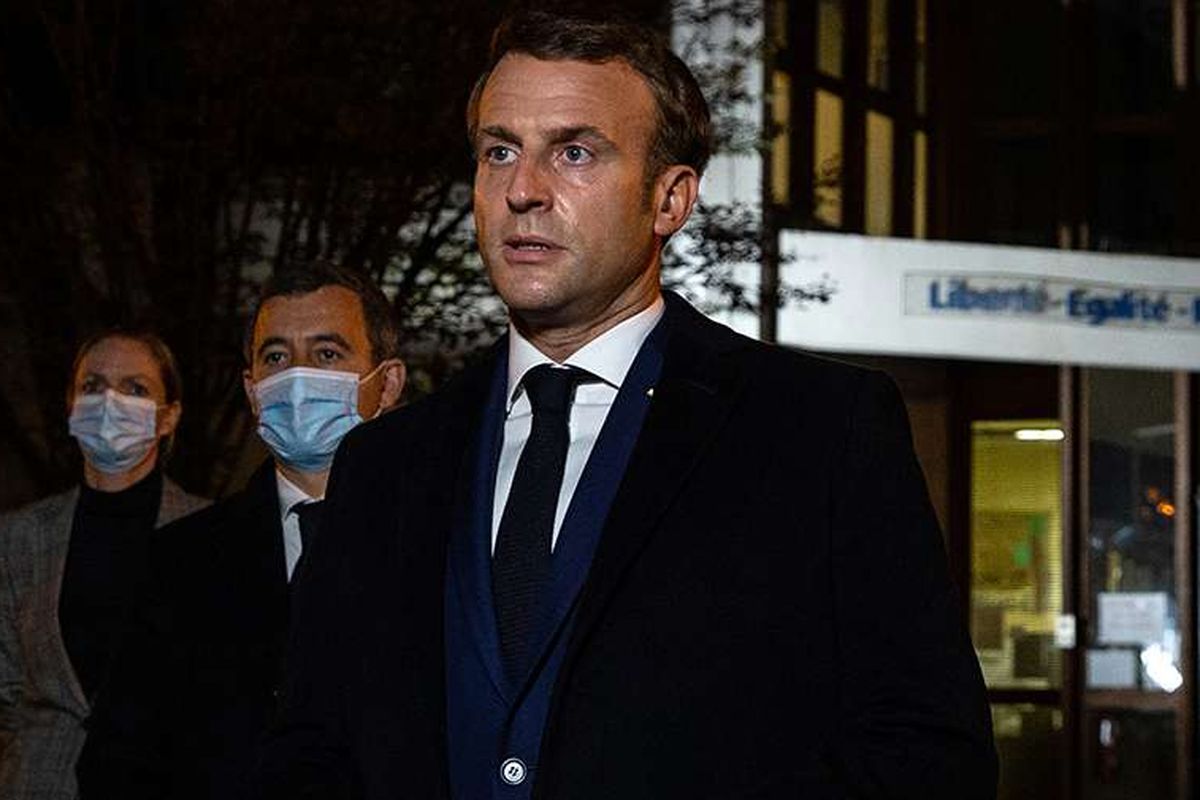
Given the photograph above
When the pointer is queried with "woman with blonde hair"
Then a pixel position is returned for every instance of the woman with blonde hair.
(71, 564)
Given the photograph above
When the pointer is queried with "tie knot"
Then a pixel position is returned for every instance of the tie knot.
(550, 389)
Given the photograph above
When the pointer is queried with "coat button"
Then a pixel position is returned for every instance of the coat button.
(513, 771)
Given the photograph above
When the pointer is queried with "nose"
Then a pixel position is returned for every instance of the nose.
(528, 189)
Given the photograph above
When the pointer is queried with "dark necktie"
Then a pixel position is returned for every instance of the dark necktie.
(309, 515)
(521, 562)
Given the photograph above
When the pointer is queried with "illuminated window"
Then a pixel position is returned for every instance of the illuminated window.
(827, 159)
(848, 88)
(880, 167)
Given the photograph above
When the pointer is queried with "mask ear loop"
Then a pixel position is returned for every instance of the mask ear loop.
(371, 376)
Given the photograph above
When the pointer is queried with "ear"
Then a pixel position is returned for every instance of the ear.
(168, 420)
(675, 193)
(394, 376)
(248, 387)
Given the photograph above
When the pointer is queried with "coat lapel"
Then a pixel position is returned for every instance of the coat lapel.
(176, 503)
(263, 555)
(584, 521)
(691, 404)
(470, 553)
(54, 560)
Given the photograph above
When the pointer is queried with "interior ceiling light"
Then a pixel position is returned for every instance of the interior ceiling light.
(1040, 434)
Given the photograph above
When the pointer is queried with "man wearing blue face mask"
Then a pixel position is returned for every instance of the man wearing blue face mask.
(196, 686)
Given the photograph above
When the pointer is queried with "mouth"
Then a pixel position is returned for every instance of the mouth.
(530, 244)
(530, 250)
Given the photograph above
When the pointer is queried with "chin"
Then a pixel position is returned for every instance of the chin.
(539, 313)
(525, 297)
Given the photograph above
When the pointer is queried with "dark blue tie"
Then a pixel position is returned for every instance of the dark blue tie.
(309, 516)
(521, 562)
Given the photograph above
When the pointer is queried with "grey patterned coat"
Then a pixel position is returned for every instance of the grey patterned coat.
(42, 706)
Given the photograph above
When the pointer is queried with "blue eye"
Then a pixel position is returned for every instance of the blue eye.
(576, 154)
(499, 154)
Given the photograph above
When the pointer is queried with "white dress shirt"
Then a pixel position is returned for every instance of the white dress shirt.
(291, 496)
(609, 357)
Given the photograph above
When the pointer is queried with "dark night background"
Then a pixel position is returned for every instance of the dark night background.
(157, 160)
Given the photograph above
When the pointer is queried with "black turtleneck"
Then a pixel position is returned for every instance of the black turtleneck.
(106, 564)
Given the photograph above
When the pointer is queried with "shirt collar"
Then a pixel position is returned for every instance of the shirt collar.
(290, 495)
(609, 356)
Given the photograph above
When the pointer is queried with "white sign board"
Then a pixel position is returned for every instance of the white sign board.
(911, 297)
(1112, 669)
(1138, 618)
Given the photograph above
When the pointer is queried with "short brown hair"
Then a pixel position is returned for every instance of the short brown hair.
(683, 132)
(306, 277)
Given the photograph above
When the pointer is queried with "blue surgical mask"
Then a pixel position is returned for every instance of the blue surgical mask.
(114, 430)
(303, 413)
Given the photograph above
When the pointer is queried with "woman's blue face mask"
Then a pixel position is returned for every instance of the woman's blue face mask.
(114, 430)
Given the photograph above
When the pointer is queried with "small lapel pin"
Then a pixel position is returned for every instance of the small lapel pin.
(650, 392)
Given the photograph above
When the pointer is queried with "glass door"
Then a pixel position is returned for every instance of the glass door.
(1017, 580)
(1072, 536)
(1135, 584)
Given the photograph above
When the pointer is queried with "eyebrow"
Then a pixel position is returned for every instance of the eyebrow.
(270, 341)
(557, 136)
(591, 132)
(317, 338)
(502, 133)
(135, 376)
(335, 338)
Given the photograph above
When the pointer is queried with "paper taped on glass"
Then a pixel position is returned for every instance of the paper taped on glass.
(1131, 618)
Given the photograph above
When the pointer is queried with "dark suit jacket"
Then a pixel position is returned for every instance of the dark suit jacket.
(768, 613)
(195, 685)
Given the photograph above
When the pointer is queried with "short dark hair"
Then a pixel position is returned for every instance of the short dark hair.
(306, 277)
(168, 369)
(683, 132)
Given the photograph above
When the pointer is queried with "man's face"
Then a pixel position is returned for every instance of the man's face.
(565, 222)
(325, 329)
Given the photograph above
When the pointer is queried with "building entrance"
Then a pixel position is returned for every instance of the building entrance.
(1064, 493)
(1080, 579)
